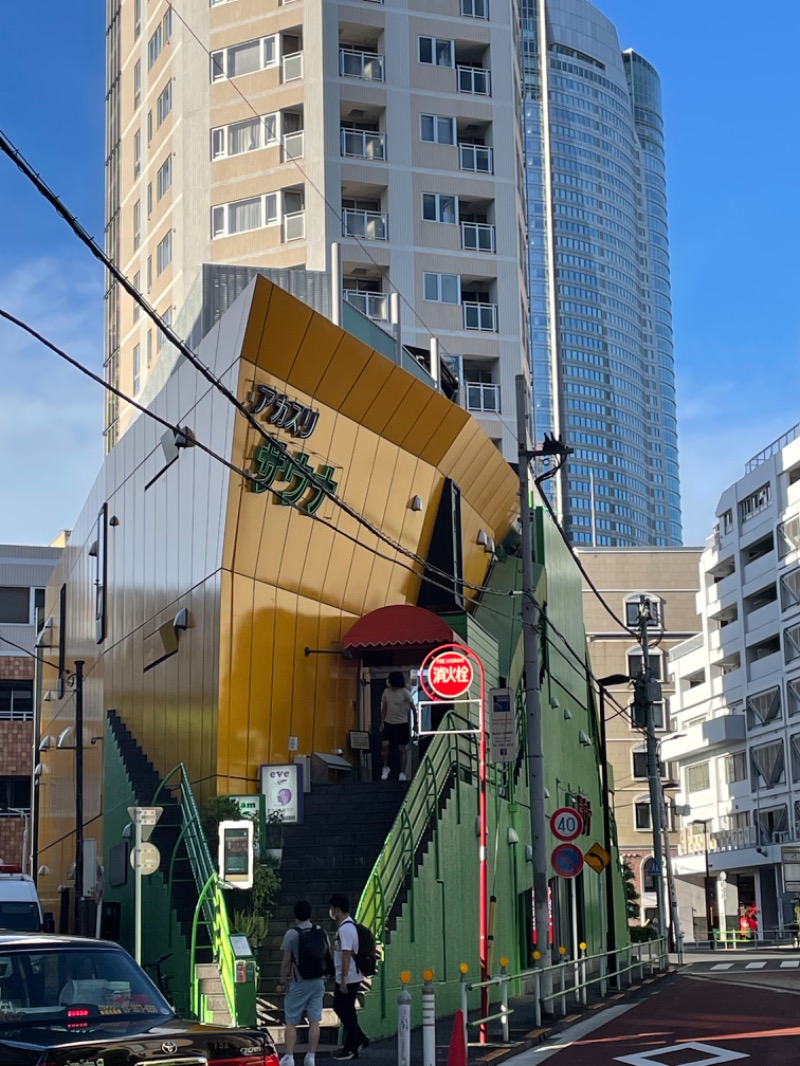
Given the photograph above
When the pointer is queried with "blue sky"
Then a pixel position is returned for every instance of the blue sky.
(728, 75)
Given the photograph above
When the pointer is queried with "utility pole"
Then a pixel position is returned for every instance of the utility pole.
(79, 795)
(648, 690)
(533, 702)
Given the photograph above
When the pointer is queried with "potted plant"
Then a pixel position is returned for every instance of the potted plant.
(273, 838)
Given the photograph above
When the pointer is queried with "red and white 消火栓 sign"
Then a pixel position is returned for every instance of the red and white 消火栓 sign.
(449, 675)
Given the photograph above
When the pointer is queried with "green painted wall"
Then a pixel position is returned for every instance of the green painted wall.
(160, 930)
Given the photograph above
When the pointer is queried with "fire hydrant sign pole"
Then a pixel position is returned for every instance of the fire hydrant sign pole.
(144, 860)
(447, 674)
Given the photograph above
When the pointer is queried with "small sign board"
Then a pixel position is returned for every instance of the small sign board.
(147, 818)
(566, 823)
(567, 860)
(146, 859)
(449, 676)
(236, 853)
(790, 858)
(597, 857)
(282, 788)
(502, 725)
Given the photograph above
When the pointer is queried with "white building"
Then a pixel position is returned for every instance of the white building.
(736, 708)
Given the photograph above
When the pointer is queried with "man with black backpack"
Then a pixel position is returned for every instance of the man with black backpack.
(306, 963)
(349, 955)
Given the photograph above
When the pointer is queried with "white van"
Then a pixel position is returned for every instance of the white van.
(20, 909)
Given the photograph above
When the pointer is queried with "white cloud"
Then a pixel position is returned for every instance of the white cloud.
(51, 416)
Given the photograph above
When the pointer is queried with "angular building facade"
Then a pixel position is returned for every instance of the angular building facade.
(374, 150)
(598, 266)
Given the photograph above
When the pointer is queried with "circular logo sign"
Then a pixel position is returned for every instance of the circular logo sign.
(147, 858)
(566, 824)
(567, 860)
(449, 675)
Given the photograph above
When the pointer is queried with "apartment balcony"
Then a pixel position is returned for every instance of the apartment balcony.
(369, 225)
(374, 305)
(480, 316)
(725, 639)
(693, 843)
(763, 668)
(474, 80)
(294, 226)
(363, 144)
(766, 616)
(294, 145)
(725, 729)
(475, 157)
(483, 397)
(365, 66)
(292, 67)
(477, 237)
(760, 568)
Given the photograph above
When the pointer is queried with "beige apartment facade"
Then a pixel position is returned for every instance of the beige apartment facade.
(375, 145)
(668, 577)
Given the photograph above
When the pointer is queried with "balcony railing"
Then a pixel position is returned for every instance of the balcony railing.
(479, 316)
(483, 397)
(477, 237)
(292, 67)
(363, 144)
(371, 225)
(294, 145)
(294, 226)
(368, 66)
(475, 157)
(474, 80)
(374, 305)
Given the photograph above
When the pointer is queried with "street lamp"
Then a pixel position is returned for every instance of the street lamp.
(704, 822)
(604, 683)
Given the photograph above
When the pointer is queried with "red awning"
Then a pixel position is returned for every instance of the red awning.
(399, 626)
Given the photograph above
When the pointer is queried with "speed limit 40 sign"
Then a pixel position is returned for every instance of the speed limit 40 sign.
(566, 824)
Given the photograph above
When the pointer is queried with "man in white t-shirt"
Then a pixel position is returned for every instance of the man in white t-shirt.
(348, 978)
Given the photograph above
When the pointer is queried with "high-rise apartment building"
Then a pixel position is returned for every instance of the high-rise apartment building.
(598, 265)
(375, 147)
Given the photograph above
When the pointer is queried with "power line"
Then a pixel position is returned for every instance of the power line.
(33, 655)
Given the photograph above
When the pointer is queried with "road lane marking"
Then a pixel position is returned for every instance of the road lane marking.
(722, 966)
(711, 1055)
(755, 965)
(791, 964)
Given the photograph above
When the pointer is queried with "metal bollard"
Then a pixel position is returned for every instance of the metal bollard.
(562, 952)
(584, 987)
(603, 972)
(537, 993)
(651, 960)
(463, 969)
(404, 1022)
(428, 1019)
(504, 999)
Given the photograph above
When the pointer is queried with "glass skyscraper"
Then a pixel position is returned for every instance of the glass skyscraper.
(598, 268)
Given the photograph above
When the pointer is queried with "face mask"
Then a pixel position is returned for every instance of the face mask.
(332, 914)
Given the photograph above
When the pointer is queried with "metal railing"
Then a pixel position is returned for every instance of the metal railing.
(363, 144)
(294, 226)
(483, 397)
(371, 225)
(475, 157)
(367, 66)
(474, 80)
(374, 305)
(209, 894)
(292, 67)
(477, 236)
(480, 316)
(294, 145)
(772, 449)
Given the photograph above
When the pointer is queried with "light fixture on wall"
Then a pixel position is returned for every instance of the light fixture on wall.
(584, 739)
(567, 714)
(482, 538)
(512, 835)
(554, 703)
(416, 503)
(46, 743)
(489, 546)
(43, 871)
(64, 737)
(547, 794)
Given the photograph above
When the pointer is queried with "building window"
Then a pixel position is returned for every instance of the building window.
(763, 707)
(137, 225)
(137, 284)
(735, 767)
(437, 129)
(753, 504)
(137, 83)
(632, 612)
(475, 9)
(436, 207)
(793, 697)
(159, 38)
(437, 51)
(149, 272)
(137, 18)
(15, 792)
(164, 103)
(164, 253)
(163, 177)
(246, 58)
(635, 663)
(791, 643)
(790, 590)
(641, 813)
(137, 154)
(241, 216)
(246, 136)
(16, 701)
(149, 198)
(767, 764)
(640, 764)
(442, 288)
(15, 605)
(789, 535)
(149, 349)
(137, 369)
(698, 777)
(149, 126)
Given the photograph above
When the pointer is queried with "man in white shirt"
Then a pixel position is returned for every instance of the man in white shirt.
(348, 978)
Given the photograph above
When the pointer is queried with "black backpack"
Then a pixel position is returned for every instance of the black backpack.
(367, 957)
(313, 953)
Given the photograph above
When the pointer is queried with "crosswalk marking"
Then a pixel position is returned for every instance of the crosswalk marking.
(791, 964)
(722, 966)
(755, 966)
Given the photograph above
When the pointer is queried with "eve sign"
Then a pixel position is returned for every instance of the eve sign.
(449, 675)
(566, 823)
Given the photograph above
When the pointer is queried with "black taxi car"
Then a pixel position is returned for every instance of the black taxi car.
(69, 1001)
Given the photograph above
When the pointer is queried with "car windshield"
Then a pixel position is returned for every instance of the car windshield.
(74, 987)
(19, 915)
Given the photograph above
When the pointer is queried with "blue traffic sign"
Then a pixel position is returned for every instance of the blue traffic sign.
(567, 860)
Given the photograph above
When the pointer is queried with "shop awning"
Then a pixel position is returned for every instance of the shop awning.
(401, 625)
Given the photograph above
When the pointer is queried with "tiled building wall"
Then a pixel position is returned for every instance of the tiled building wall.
(16, 739)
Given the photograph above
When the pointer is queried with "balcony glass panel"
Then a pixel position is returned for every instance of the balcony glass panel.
(477, 236)
(371, 225)
(292, 66)
(483, 397)
(294, 226)
(374, 305)
(363, 144)
(475, 157)
(474, 80)
(294, 145)
(480, 317)
(368, 66)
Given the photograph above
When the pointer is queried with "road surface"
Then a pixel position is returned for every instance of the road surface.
(736, 1008)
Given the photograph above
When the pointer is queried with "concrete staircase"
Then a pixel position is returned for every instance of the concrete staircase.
(211, 988)
(334, 850)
